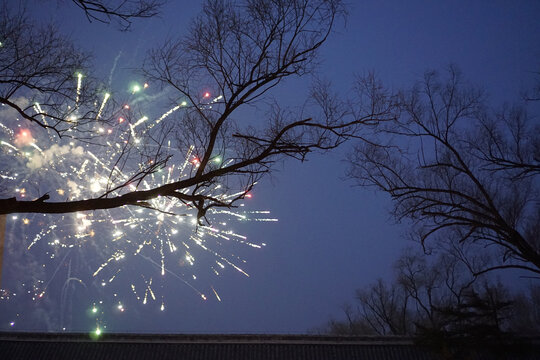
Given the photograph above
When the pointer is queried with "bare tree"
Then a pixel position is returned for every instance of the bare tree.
(385, 309)
(429, 297)
(525, 317)
(459, 170)
(233, 57)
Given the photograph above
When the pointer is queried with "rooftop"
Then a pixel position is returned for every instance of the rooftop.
(224, 347)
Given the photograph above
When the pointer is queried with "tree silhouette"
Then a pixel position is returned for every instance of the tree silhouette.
(436, 298)
(465, 173)
(231, 60)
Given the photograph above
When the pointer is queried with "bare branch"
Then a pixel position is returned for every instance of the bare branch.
(235, 56)
(120, 11)
(40, 72)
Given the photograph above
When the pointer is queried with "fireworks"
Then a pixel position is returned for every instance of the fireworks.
(133, 247)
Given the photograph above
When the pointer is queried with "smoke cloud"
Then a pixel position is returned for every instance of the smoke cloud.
(48, 156)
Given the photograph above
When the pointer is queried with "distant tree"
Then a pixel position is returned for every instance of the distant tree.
(525, 316)
(385, 309)
(437, 299)
(464, 173)
(534, 93)
(381, 309)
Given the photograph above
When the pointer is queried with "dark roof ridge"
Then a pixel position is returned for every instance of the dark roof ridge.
(208, 338)
(169, 338)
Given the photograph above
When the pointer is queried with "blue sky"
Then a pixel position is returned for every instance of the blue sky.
(331, 237)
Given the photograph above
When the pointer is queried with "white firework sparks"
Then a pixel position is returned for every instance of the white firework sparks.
(117, 244)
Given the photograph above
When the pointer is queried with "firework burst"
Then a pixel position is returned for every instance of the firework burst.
(135, 247)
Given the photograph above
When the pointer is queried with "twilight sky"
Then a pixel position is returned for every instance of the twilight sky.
(331, 237)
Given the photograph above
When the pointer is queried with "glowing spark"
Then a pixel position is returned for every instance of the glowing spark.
(162, 117)
(36, 147)
(133, 126)
(9, 145)
(162, 257)
(38, 110)
(94, 186)
(215, 292)
(140, 121)
(148, 290)
(117, 256)
(79, 83)
(217, 99)
(105, 98)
